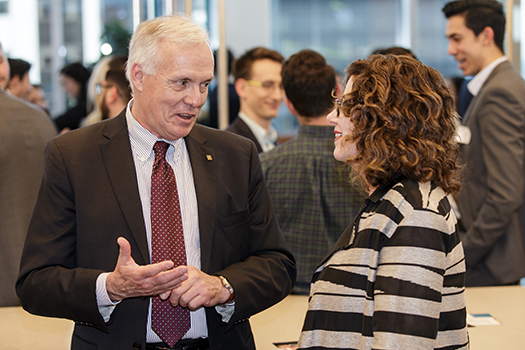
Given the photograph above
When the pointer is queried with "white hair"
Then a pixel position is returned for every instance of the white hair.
(145, 43)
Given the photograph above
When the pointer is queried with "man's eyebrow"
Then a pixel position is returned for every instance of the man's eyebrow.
(177, 79)
(452, 36)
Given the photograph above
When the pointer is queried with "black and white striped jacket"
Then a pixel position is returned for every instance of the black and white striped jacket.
(395, 278)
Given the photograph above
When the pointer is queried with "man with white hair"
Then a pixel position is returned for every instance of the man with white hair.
(152, 232)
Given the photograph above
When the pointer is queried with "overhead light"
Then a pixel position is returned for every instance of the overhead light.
(106, 49)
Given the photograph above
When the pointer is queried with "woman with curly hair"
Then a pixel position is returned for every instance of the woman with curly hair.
(395, 278)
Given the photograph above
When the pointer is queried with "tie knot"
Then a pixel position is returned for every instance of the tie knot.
(160, 149)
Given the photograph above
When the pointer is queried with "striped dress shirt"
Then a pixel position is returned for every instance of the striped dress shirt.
(395, 278)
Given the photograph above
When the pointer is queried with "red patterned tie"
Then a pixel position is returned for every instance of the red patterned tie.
(167, 243)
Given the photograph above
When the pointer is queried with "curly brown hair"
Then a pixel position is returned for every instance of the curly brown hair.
(404, 122)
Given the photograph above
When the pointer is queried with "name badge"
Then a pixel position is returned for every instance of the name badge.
(463, 134)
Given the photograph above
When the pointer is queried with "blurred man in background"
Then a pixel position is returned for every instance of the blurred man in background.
(258, 83)
(313, 198)
(492, 214)
(19, 84)
(24, 132)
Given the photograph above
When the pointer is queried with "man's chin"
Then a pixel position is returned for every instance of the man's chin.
(271, 115)
(467, 71)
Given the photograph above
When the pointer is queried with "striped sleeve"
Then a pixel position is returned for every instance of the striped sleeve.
(419, 281)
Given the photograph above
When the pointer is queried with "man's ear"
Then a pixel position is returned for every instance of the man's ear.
(137, 77)
(240, 87)
(488, 35)
(290, 106)
(14, 82)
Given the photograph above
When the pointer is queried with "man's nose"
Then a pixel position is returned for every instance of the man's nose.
(277, 92)
(452, 50)
(194, 97)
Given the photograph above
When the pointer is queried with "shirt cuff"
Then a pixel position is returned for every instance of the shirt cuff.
(226, 311)
(105, 305)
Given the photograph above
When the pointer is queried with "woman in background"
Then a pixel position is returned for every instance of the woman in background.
(94, 99)
(395, 278)
(74, 78)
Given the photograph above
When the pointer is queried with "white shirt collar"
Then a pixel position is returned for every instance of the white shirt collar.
(143, 140)
(479, 79)
(265, 138)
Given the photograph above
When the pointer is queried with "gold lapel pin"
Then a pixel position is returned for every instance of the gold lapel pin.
(208, 157)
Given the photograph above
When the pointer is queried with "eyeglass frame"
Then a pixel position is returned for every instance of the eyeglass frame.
(266, 85)
(338, 102)
(100, 86)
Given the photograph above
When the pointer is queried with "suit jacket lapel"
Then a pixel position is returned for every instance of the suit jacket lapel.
(118, 159)
(469, 110)
(499, 68)
(204, 166)
(247, 132)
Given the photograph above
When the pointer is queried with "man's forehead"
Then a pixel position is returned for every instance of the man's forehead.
(202, 49)
(456, 24)
(266, 67)
(189, 58)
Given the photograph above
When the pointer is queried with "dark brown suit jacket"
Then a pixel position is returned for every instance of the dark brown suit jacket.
(239, 127)
(89, 197)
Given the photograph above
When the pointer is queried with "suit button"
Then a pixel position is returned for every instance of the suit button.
(137, 346)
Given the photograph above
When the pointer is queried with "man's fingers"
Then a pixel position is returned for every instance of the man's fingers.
(158, 268)
(198, 289)
(125, 259)
(165, 295)
(129, 279)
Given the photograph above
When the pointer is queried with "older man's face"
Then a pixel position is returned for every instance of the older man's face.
(168, 102)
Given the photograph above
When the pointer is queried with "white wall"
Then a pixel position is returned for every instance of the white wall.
(19, 34)
(91, 30)
(248, 24)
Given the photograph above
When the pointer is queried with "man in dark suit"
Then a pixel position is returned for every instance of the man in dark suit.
(258, 83)
(492, 214)
(97, 192)
(24, 132)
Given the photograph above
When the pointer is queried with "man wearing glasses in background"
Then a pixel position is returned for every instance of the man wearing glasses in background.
(115, 89)
(258, 83)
